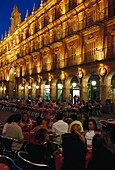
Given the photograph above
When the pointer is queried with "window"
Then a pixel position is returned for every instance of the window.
(53, 14)
(66, 7)
(72, 4)
(91, 17)
(91, 49)
(42, 23)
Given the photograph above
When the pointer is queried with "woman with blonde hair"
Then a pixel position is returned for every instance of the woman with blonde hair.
(74, 150)
(76, 128)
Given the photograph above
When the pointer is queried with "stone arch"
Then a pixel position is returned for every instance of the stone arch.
(67, 87)
(91, 92)
(26, 90)
(34, 89)
(109, 93)
(20, 91)
(84, 86)
(43, 88)
(53, 89)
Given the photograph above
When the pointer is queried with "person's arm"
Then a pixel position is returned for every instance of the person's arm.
(20, 135)
(84, 132)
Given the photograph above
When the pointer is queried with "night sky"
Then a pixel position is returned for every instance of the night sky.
(6, 8)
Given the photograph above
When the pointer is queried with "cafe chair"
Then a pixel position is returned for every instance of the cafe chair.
(8, 164)
(6, 144)
(26, 164)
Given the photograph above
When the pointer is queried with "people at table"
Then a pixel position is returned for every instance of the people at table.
(13, 130)
(40, 150)
(74, 149)
(40, 125)
(9, 121)
(26, 123)
(92, 130)
(59, 128)
(75, 121)
(103, 157)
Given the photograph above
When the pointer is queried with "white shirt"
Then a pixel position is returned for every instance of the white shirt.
(59, 128)
(89, 136)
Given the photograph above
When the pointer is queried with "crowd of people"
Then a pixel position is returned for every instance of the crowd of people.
(94, 108)
(75, 138)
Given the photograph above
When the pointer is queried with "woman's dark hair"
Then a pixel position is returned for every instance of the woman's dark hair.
(10, 119)
(23, 118)
(94, 122)
(74, 117)
(17, 118)
(40, 135)
(39, 120)
(98, 144)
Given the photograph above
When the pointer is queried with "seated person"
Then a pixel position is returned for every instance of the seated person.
(74, 149)
(13, 130)
(9, 120)
(92, 130)
(103, 157)
(26, 123)
(59, 128)
(40, 125)
(75, 121)
(40, 145)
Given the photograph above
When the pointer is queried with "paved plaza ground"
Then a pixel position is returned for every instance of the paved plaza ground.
(5, 114)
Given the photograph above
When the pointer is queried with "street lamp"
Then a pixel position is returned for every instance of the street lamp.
(93, 83)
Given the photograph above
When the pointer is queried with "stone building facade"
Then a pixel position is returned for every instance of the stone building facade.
(65, 47)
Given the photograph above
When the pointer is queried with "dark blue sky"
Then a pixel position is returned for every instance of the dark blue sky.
(6, 8)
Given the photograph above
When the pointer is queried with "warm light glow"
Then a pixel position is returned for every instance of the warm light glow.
(7, 78)
(60, 86)
(14, 72)
(22, 87)
(4, 88)
(37, 87)
(1, 88)
(29, 87)
(74, 84)
(47, 86)
(93, 83)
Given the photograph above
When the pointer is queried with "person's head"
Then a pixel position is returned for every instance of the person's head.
(73, 117)
(60, 116)
(98, 144)
(85, 116)
(76, 128)
(10, 119)
(25, 118)
(39, 120)
(42, 135)
(92, 124)
(17, 118)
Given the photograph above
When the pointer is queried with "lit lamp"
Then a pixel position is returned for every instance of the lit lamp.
(93, 83)
(37, 86)
(14, 72)
(29, 87)
(74, 84)
(47, 86)
(22, 87)
(60, 86)
(1, 88)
